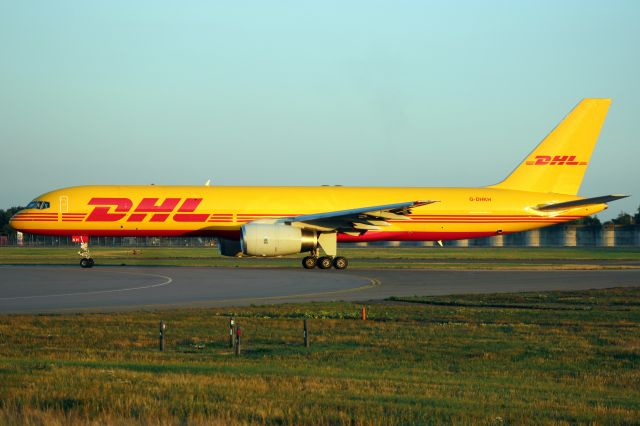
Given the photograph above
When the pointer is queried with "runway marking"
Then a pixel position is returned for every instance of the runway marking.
(167, 281)
(373, 282)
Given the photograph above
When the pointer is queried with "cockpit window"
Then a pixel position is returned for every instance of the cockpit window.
(40, 205)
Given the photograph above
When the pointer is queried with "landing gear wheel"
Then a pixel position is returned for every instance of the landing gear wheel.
(340, 262)
(309, 262)
(324, 262)
(86, 261)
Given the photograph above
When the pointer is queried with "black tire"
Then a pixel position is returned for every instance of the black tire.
(340, 262)
(325, 262)
(309, 262)
(91, 262)
(85, 263)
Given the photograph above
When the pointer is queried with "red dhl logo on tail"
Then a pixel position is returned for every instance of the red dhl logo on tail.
(115, 209)
(556, 160)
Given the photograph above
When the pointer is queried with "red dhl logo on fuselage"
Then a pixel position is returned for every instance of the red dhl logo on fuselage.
(556, 160)
(115, 209)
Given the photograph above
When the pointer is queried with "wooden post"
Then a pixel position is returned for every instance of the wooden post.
(231, 324)
(238, 334)
(306, 334)
(162, 328)
(363, 313)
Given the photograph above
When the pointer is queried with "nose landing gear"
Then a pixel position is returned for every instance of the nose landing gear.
(86, 260)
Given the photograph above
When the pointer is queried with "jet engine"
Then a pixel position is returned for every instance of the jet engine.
(276, 239)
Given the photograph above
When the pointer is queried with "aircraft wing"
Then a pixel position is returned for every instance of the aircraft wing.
(581, 202)
(355, 221)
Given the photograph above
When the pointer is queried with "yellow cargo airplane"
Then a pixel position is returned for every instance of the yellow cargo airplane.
(275, 221)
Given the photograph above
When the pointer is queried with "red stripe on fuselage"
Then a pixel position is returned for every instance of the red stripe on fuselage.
(232, 234)
(183, 217)
(235, 234)
(35, 215)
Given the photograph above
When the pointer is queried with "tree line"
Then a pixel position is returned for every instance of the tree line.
(623, 218)
(5, 215)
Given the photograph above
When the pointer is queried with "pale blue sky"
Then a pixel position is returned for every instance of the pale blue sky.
(396, 93)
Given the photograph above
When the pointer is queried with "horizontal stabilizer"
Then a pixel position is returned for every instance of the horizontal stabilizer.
(582, 202)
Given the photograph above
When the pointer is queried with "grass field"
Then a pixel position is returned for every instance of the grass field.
(371, 257)
(556, 357)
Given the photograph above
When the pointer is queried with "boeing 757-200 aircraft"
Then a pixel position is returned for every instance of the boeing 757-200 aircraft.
(276, 221)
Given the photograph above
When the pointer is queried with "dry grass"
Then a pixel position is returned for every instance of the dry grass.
(559, 357)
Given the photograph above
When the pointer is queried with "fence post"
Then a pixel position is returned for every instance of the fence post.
(363, 313)
(306, 334)
(162, 328)
(231, 323)
(238, 334)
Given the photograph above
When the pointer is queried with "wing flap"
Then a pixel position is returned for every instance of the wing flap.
(360, 219)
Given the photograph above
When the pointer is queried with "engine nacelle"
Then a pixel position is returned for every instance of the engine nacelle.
(276, 239)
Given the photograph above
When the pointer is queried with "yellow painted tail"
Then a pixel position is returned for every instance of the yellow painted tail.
(558, 163)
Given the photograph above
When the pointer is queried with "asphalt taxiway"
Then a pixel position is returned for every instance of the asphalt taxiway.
(34, 289)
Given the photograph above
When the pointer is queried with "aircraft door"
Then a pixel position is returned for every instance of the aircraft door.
(64, 204)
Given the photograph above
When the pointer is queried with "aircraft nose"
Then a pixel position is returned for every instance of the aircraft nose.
(15, 222)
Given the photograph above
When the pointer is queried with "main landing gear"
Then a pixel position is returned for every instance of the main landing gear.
(326, 241)
(324, 262)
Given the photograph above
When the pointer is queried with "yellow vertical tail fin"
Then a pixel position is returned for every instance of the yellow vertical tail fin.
(558, 163)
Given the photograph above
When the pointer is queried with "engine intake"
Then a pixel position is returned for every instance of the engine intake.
(276, 239)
